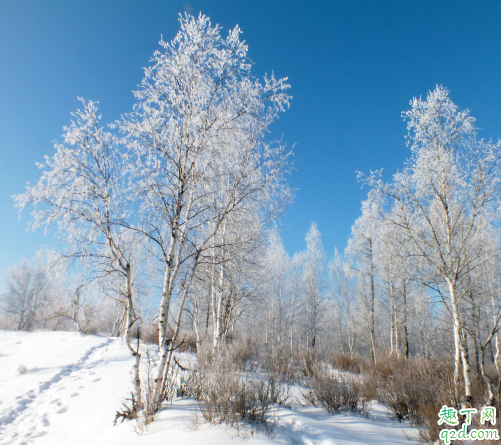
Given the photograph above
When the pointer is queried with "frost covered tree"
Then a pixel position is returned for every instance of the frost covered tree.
(27, 295)
(362, 250)
(197, 133)
(481, 312)
(342, 302)
(276, 310)
(445, 196)
(314, 284)
(83, 193)
(192, 182)
(394, 256)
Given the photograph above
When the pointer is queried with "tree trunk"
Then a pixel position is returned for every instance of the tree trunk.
(177, 329)
(218, 328)
(460, 351)
(393, 314)
(372, 309)
(164, 341)
(497, 355)
(404, 322)
(130, 320)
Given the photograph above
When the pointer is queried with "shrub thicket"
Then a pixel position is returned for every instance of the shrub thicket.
(226, 395)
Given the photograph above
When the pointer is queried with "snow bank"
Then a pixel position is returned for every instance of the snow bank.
(74, 385)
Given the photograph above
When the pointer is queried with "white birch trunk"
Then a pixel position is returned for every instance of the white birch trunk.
(130, 320)
(404, 315)
(460, 353)
(218, 328)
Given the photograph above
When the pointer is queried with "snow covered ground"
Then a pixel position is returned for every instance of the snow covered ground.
(74, 384)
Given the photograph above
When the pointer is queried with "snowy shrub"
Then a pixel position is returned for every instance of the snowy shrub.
(307, 362)
(335, 394)
(349, 363)
(415, 390)
(225, 395)
(141, 407)
(22, 369)
(281, 363)
(130, 409)
(149, 333)
(244, 354)
(148, 413)
(408, 387)
(188, 342)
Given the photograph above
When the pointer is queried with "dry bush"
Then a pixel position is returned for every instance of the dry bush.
(141, 407)
(291, 368)
(415, 390)
(335, 394)
(188, 342)
(307, 362)
(225, 395)
(149, 333)
(148, 389)
(282, 364)
(90, 330)
(148, 413)
(349, 363)
(244, 354)
(130, 409)
(367, 384)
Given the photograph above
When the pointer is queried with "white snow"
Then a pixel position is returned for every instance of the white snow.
(74, 385)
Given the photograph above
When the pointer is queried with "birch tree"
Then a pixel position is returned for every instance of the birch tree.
(277, 312)
(83, 193)
(481, 314)
(27, 295)
(314, 284)
(361, 249)
(296, 299)
(342, 300)
(445, 195)
(197, 134)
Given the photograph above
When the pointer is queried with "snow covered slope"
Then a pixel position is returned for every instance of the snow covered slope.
(74, 385)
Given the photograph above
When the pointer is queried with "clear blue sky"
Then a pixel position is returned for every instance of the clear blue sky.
(353, 65)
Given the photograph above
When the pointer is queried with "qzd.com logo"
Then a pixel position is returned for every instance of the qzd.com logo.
(449, 416)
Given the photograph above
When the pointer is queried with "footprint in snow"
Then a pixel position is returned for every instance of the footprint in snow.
(62, 410)
(45, 421)
(97, 380)
(40, 434)
(74, 394)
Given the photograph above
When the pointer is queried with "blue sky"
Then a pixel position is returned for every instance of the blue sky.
(354, 65)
